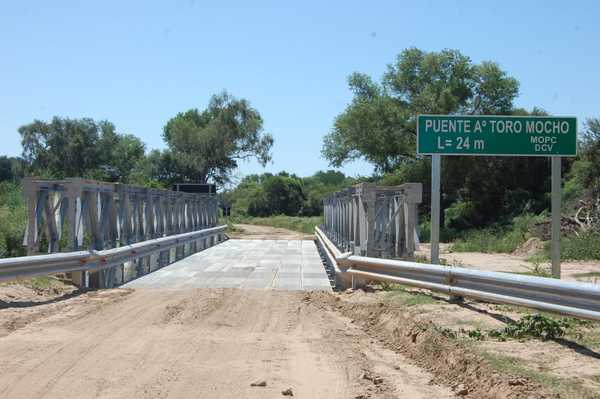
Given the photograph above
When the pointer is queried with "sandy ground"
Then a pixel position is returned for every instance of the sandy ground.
(251, 231)
(58, 342)
(566, 364)
(200, 343)
(511, 263)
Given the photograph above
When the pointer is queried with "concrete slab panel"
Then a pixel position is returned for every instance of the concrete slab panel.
(257, 264)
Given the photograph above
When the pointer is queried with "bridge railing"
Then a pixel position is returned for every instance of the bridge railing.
(366, 226)
(144, 256)
(547, 294)
(371, 220)
(74, 214)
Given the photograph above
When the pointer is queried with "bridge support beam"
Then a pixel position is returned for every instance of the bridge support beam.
(98, 215)
(373, 221)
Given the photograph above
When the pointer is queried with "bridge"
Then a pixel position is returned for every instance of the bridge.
(179, 309)
(106, 235)
(140, 237)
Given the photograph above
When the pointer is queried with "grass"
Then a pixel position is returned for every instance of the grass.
(501, 239)
(425, 259)
(587, 336)
(41, 283)
(540, 257)
(584, 247)
(489, 241)
(397, 294)
(537, 270)
(560, 386)
(589, 276)
(302, 224)
(231, 228)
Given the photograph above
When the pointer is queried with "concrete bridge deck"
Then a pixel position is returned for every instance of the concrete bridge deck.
(258, 264)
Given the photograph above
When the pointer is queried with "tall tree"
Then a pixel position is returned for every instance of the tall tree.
(67, 147)
(380, 123)
(207, 145)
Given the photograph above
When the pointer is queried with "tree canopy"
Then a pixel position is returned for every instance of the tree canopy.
(584, 177)
(67, 147)
(285, 194)
(207, 145)
(379, 124)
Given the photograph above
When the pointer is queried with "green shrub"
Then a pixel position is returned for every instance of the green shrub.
(504, 239)
(446, 234)
(536, 326)
(489, 240)
(586, 246)
(459, 215)
(13, 219)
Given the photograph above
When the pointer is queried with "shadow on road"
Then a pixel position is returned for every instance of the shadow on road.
(28, 304)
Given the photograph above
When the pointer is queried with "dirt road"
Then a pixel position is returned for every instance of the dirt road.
(202, 344)
(256, 232)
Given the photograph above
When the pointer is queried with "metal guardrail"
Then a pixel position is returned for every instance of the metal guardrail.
(547, 294)
(65, 262)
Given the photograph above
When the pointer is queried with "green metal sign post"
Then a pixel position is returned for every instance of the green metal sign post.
(494, 135)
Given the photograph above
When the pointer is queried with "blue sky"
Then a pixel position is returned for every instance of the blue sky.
(138, 63)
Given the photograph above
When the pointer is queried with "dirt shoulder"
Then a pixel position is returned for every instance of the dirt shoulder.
(26, 300)
(212, 343)
(458, 343)
(256, 232)
(355, 344)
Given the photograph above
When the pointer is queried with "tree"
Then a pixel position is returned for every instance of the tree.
(79, 148)
(63, 147)
(11, 169)
(380, 123)
(380, 126)
(119, 154)
(206, 146)
(584, 179)
(284, 193)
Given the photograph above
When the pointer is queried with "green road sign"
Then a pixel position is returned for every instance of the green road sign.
(496, 135)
